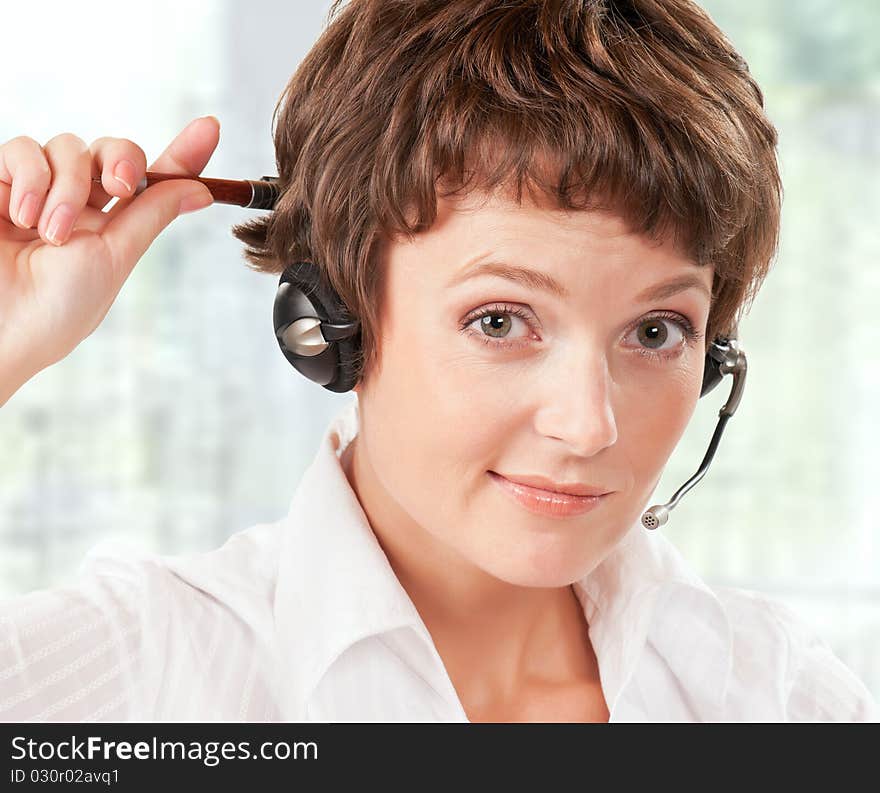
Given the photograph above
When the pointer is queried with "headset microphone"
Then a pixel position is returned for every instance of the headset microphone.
(724, 357)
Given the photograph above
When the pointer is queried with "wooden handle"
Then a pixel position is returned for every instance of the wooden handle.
(250, 193)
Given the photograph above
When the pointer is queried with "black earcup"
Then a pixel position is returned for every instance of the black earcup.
(314, 329)
(712, 366)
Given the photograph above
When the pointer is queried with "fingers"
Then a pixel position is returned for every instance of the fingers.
(190, 151)
(187, 154)
(120, 164)
(24, 173)
(71, 164)
(53, 185)
(47, 185)
(136, 222)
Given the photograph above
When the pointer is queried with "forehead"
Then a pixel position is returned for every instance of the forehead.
(544, 236)
(499, 213)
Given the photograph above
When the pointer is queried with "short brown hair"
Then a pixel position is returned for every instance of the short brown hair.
(642, 107)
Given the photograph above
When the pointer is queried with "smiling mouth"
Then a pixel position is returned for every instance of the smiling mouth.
(543, 485)
(547, 503)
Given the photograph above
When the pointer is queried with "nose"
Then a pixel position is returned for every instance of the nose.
(576, 404)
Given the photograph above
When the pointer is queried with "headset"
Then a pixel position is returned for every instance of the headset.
(320, 338)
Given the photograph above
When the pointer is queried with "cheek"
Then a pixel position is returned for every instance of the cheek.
(651, 428)
(447, 393)
(433, 424)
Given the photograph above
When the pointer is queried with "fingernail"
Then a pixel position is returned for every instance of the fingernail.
(195, 201)
(200, 118)
(125, 172)
(60, 224)
(27, 210)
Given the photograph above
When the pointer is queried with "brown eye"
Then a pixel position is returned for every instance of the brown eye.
(496, 325)
(652, 333)
(653, 336)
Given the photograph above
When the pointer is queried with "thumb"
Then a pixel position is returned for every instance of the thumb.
(133, 230)
(195, 199)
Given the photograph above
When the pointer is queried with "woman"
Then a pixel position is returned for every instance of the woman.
(513, 343)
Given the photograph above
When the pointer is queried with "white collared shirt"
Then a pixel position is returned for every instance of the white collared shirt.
(305, 620)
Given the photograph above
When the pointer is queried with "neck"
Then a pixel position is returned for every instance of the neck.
(492, 635)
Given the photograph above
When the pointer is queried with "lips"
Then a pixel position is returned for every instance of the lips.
(545, 502)
(548, 485)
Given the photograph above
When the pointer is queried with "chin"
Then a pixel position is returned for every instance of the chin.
(550, 568)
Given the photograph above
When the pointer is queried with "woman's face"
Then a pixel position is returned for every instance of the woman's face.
(595, 386)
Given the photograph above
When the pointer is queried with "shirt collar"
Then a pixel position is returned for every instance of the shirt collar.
(335, 587)
(643, 591)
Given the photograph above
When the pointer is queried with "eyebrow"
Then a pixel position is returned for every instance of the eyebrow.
(535, 279)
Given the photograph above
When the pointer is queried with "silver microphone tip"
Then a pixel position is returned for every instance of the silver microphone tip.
(655, 516)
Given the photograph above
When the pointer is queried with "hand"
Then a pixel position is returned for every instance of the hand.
(57, 285)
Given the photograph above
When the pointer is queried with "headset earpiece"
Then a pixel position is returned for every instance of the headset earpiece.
(313, 328)
(712, 366)
(724, 356)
